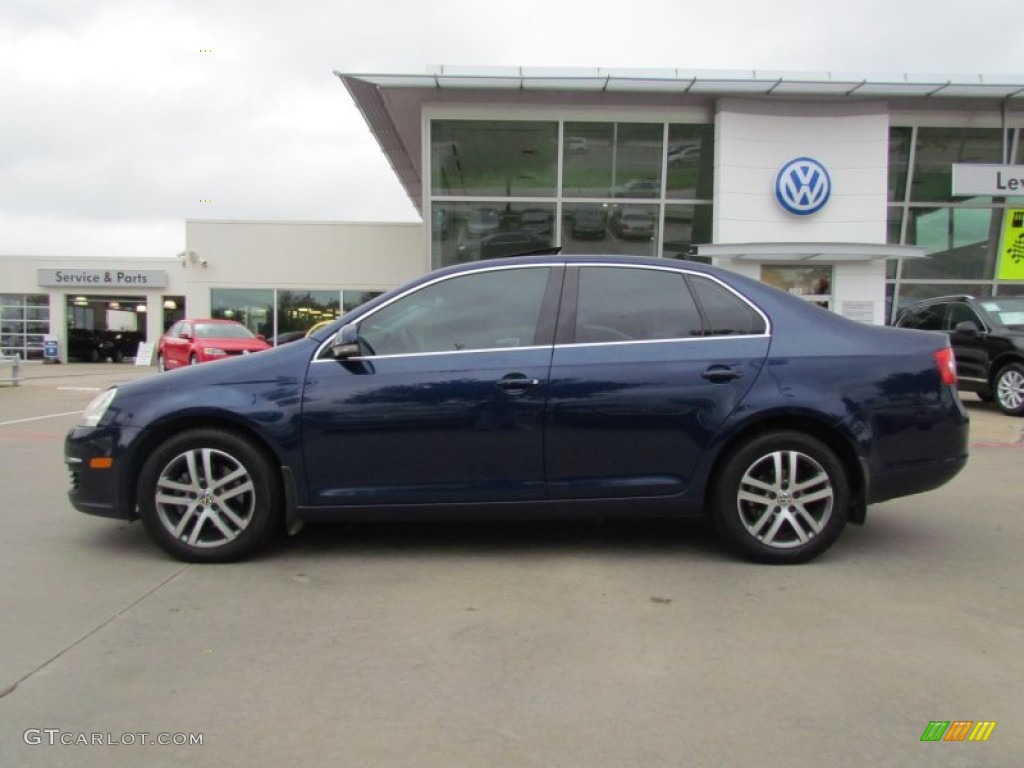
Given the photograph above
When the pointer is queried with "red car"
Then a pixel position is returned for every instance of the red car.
(189, 342)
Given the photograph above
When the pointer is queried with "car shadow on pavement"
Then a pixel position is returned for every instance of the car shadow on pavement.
(687, 538)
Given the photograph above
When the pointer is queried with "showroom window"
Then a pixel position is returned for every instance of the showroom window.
(281, 315)
(298, 311)
(24, 321)
(812, 283)
(636, 188)
(252, 308)
(962, 236)
(494, 158)
(612, 160)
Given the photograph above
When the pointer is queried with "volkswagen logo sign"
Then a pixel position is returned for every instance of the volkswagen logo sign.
(803, 186)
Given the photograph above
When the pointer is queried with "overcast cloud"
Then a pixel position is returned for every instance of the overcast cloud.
(121, 118)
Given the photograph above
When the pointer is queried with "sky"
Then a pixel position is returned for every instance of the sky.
(121, 119)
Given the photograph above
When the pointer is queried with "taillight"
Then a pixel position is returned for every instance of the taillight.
(946, 364)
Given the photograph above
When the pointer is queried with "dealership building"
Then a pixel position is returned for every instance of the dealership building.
(861, 194)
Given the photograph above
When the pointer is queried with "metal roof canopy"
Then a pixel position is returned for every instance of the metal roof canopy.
(753, 82)
(815, 252)
(392, 104)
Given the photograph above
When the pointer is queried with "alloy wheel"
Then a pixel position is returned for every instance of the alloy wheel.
(205, 498)
(785, 499)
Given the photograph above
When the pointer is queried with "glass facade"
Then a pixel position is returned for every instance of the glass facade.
(961, 235)
(24, 321)
(273, 313)
(500, 187)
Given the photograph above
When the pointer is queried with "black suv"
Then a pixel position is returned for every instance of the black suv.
(987, 336)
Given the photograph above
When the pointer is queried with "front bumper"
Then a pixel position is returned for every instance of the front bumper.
(100, 473)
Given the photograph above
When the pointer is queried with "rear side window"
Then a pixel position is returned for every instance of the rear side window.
(927, 318)
(628, 304)
(727, 314)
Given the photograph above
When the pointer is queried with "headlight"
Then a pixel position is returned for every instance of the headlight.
(94, 411)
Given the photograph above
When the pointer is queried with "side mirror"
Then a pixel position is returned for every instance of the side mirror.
(967, 327)
(346, 343)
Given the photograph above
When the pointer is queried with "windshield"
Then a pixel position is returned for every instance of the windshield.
(1007, 311)
(222, 331)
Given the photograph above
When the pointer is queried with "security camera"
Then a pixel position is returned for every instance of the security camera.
(203, 263)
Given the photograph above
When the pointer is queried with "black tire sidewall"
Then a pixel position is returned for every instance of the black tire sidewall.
(726, 484)
(267, 517)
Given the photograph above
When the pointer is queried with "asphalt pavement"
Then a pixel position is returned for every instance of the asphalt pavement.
(558, 644)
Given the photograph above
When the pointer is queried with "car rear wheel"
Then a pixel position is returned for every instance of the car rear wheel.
(208, 496)
(1009, 389)
(782, 497)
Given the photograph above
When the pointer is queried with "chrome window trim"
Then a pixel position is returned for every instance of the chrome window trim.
(320, 358)
(693, 273)
(440, 279)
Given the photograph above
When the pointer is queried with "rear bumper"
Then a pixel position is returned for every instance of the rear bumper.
(918, 478)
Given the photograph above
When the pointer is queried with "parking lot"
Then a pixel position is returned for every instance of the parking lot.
(568, 644)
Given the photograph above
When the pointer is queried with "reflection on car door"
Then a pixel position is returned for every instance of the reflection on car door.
(639, 388)
(446, 405)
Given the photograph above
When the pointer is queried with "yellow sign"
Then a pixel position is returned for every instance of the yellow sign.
(1011, 246)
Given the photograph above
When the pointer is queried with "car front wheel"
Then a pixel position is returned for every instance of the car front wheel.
(1009, 389)
(208, 496)
(782, 497)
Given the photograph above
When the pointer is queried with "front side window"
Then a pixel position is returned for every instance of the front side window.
(498, 309)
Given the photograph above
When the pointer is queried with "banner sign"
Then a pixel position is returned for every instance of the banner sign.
(1011, 246)
(995, 180)
(102, 278)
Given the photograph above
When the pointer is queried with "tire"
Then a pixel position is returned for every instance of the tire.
(193, 360)
(208, 496)
(1009, 389)
(763, 515)
(161, 364)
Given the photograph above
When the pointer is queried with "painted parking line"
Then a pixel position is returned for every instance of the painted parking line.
(40, 418)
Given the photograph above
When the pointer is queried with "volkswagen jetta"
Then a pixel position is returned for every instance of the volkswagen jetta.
(546, 387)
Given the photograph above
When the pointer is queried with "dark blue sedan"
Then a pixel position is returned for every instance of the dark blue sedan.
(543, 387)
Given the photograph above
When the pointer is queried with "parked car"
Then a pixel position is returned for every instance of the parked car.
(124, 344)
(589, 222)
(987, 335)
(193, 341)
(553, 386)
(89, 346)
(638, 188)
(536, 220)
(632, 224)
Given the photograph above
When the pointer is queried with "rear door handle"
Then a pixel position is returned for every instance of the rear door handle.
(719, 374)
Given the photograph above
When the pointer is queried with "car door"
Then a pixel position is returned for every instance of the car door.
(970, 347)
(648, 364)
(176, 348)
(445, 402)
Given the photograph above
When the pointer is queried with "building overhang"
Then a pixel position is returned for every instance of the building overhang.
(392, 104)
(809, 252)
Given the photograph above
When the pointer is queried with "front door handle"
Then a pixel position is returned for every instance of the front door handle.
(516, 383)
(719, 374)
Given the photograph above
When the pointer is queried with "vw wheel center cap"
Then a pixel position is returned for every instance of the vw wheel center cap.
(803, 186)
